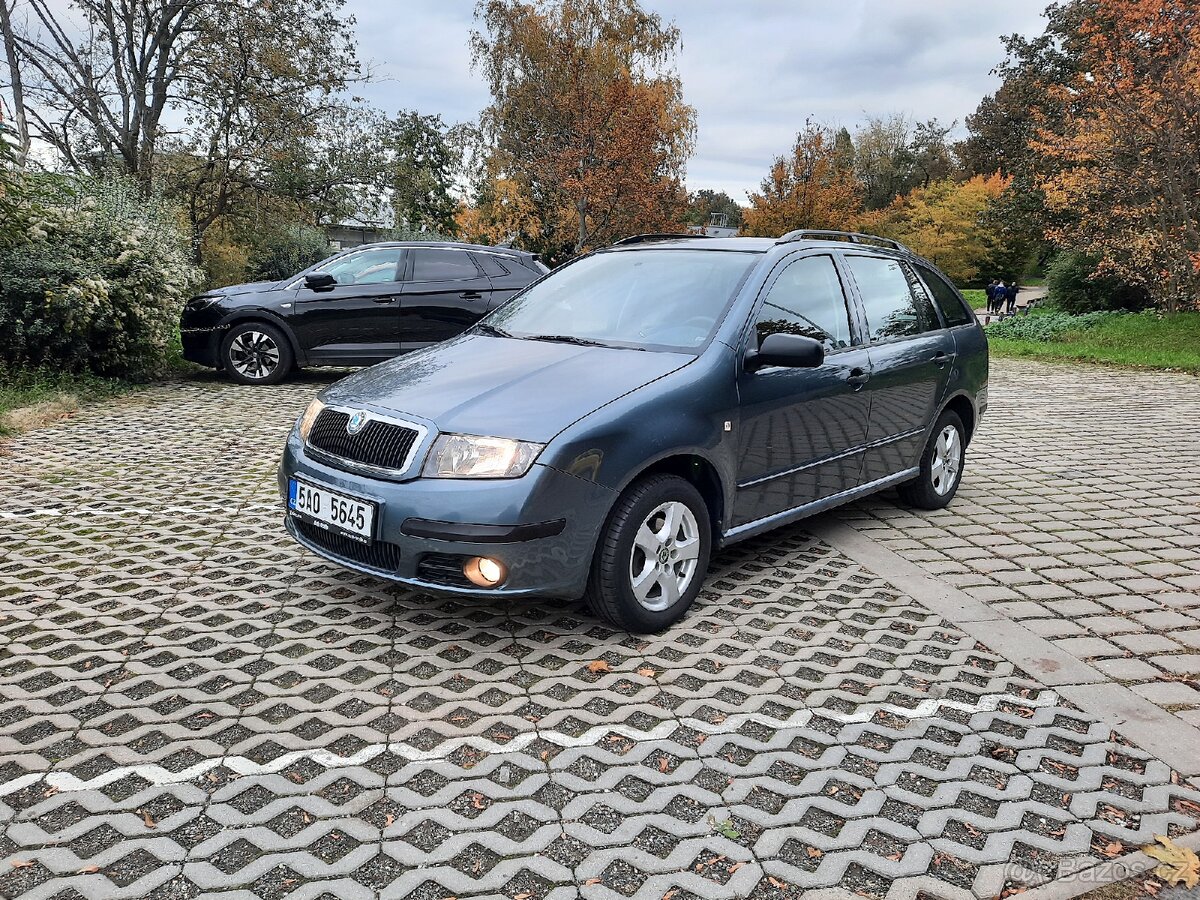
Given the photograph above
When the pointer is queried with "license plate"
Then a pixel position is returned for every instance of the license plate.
(338, 512)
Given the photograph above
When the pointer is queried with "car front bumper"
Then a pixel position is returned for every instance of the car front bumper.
(200, 345)
(543, 527)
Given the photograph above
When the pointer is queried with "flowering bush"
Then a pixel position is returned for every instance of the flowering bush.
(95, 280)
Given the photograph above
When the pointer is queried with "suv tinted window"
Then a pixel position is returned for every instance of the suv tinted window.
(895, 304)
(807, 299)
(944, 296)
(491, 265)
(442, 265)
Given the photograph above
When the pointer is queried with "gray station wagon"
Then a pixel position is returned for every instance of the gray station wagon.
(604, 432)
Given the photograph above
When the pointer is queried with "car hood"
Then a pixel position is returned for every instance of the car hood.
(251, 288)
(504, 387)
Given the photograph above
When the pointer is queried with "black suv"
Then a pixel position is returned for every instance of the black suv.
(356, 308)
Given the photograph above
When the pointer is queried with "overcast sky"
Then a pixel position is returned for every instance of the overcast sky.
(753, 69)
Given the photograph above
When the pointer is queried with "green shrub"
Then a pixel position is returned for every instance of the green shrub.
(95, 281)
(286, 250)
(1049, 326)
(1074, 287)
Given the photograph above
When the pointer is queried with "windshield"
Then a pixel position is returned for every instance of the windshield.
(646, 299)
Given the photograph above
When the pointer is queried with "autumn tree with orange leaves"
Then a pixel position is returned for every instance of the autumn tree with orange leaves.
(587, 125)
(1128, 175)
(812, 187)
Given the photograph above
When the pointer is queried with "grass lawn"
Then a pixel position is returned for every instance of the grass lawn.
(39, 397)
(1145, 340)
(976, 297)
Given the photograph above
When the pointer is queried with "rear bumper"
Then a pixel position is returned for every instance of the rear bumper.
(542, 527)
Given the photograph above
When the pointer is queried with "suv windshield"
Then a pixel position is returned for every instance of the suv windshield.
(645, 299)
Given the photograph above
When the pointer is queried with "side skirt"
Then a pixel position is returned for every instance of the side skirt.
(750, 529)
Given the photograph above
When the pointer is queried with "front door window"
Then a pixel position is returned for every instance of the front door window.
(366, 266)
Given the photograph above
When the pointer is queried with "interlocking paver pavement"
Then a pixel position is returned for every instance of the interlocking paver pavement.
(192, 705)
(1079, 516)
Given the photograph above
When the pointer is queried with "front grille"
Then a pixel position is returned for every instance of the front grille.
(443, 568)
(380, 555)
(383, 445)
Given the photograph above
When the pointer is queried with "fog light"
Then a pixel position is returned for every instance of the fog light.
(483, 571)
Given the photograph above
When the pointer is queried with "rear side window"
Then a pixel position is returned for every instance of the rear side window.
(895, 304)
(442, 265)
(944, 296)
(491, 265)
(807, 299)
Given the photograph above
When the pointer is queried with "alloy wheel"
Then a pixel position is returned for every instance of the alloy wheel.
(946, 464)
(254, 354)
(665, 551)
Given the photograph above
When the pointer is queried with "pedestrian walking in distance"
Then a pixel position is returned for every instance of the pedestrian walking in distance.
(1010, 298)
(990, 290)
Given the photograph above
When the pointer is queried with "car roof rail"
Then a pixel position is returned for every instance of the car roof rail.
(853, 237)
(654, 236)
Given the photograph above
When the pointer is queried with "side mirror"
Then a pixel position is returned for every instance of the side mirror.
(320, 281)
(792, 350)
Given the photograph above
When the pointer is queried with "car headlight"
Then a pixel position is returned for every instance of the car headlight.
(309, 417)
(202, 302)
(468, 456)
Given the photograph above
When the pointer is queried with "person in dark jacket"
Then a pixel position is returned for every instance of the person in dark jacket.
(990, 290)
(1010, 298)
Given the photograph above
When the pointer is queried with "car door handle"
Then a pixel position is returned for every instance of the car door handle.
(858, 378)
(941, 358)
(471, 295)
(384, 300)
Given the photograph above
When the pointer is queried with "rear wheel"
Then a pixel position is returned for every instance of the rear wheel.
(652, 555)
(941, 465)
(256, 353)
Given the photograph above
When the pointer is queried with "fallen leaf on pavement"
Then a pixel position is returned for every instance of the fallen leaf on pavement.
(22, 863)
(596, 666)
(647, 672)
(814, 853)
(148, 819)
(389, 821)
(1178, 864)
(88, 870)
(1116, 848)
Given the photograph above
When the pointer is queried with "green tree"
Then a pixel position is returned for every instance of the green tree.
(1075, 285)
(364, 163)
(704, 203)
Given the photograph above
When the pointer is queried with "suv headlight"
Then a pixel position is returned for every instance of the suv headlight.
(309, 417)
(468, 456)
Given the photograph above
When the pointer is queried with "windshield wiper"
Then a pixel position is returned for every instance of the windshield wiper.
(492, 330)
(564, 339)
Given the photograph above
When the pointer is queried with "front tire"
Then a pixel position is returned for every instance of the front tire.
(652, 555)
(941, 465)
(256, 353)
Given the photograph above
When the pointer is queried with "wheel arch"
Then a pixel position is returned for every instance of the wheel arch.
(700, 472)
(961, 405)
(253, 314)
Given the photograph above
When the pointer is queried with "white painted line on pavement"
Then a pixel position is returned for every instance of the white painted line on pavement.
(157, 775)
